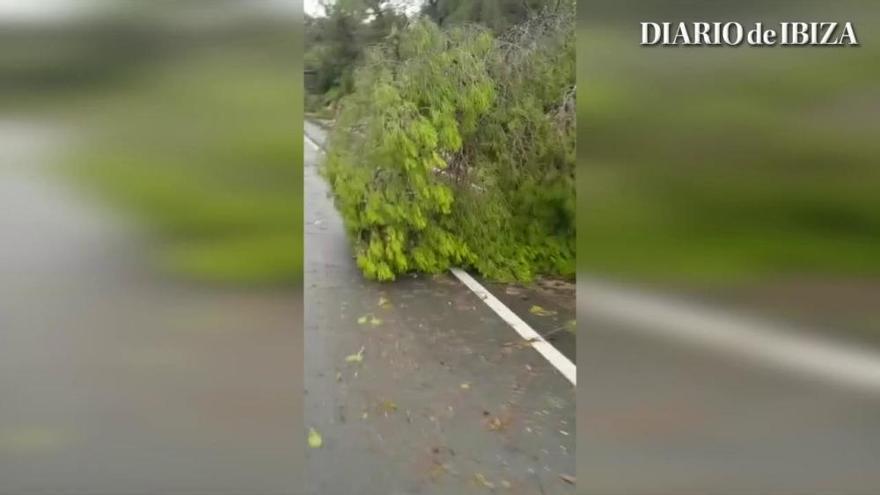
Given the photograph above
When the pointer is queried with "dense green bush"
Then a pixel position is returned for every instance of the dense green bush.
(457, 148)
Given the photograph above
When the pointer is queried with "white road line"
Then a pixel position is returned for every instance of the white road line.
(313, 143)
(743, 337)
(556, 358)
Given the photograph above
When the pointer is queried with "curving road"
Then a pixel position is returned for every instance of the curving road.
(445, 399)
(116, 381)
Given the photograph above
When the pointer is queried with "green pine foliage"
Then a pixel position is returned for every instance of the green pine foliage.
(457, 148)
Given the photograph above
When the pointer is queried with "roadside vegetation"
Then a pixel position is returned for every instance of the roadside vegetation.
(455, 146)
(216, 181)
(767, 168)
(337, 41)
(190, 129)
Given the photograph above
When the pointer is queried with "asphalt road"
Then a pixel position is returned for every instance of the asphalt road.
(657, 414)
(446, 399)
(117, 381)
(664, 411)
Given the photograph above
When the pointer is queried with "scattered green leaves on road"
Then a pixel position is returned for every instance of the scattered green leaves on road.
(315, 440)
(388, 407)
(355, 358)
(371, 319)
(540, 311)
(483, 481)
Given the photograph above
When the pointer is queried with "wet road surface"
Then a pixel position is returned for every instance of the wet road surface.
(444, 398)
(548, 306)
(662, 415)
(116, 381)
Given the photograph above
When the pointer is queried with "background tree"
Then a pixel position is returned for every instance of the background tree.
(456, 147)
(497, 15)
(335, 43)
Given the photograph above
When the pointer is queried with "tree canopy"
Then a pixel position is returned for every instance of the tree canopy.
(456, 147)
(337, 41)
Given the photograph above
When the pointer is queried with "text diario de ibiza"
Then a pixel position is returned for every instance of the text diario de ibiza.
(758, 34)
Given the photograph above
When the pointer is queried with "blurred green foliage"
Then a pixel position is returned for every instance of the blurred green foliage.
(337, 41)
(207, 153)
(727, 165)
(457, 148)
(192, 129)
(496, 15)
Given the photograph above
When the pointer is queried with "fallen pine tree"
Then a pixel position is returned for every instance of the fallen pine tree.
(458, 148)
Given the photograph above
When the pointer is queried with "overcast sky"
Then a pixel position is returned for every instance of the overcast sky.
(314, 8)
(47, 11)
(37, 10)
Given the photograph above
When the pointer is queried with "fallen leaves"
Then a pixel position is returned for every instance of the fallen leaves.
(355, 358)
(568, 479)
(384, 303)
(437, 471)
(483, 481)
(494, 423)
(369, 318)
(539, 311)
(465, 386)
(388, 407)
(497, 423)
(315, 440)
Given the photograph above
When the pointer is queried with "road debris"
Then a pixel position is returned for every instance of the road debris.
(483, 481)
(315, 440)
(540, 311)
(355, 358)
(369, 318)
(568, 479)
(388, 407)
